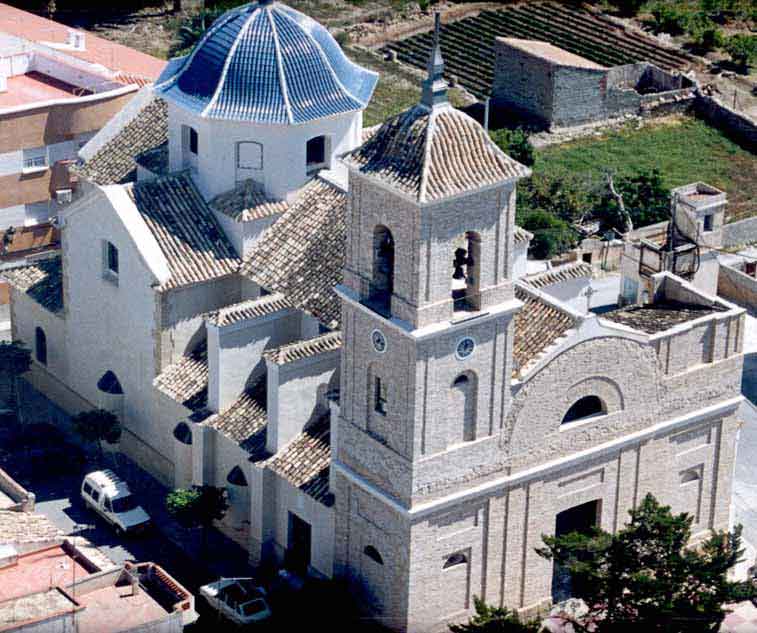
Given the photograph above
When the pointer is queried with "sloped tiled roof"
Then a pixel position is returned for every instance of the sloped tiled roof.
(304, 349)
(246, 421)
(304, 462)
(187, 232)
(24, 527)
(302, 254)
(247, 201)
(521, 235)
(42, 281)
(250, 309)
(114, 162)
(558, 275)
(537, 326)
(186, 381)
(431, 154)
(265, 62)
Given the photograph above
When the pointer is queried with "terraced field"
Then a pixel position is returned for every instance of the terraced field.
(468, 44)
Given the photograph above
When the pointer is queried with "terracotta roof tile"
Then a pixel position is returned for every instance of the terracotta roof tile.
(186, 381)
(192, 241)
(328, 342)
(558, 275)
(23, 527)
(304, 462)
(247, 201)
(250, 309)
(302, 254)
(521, 235)
(115, 161)
(246, 421)
(42, 281)
(537, 326)
(430, 155)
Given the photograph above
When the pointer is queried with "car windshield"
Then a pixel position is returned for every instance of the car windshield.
(253, 607)
(124, 504)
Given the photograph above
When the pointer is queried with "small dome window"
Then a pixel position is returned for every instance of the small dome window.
(109, 383)
(183, 433)
(586, 407)
(458, 558)
(687, 476)
(372, 553)
(236, 477)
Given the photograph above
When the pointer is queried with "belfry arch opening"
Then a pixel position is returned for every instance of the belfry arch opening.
(586, 407)
(466, 269)
(382, 282)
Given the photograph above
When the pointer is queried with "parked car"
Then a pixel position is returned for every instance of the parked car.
(110, 497)
(239, 599)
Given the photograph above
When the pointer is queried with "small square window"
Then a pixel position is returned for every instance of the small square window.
(112, 262)
(193, 140)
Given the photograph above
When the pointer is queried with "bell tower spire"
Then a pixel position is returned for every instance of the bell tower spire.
(434, 86)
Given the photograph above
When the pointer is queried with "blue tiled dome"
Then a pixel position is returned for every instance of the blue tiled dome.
(267, 63)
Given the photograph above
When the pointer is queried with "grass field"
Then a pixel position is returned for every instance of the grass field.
(682, 148)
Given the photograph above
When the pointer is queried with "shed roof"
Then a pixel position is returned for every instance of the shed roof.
(246, 421)
(186, 380)
(247, 201)
(42, 281)
(551, 53)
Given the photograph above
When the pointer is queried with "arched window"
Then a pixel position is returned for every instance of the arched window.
(382, 284)
(458, 558)
(466, 272)
(690, 475)
(462, 406)
(40, 346)
(183, 433)
(372, 553)
(109, 383)
(586, 407)
(236, 477)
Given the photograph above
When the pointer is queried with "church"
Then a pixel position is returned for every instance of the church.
(335, 324)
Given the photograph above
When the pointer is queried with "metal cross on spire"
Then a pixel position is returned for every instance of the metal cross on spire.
(434, 86)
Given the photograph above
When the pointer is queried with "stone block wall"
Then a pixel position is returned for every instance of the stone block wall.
(733, 123)
(738, 287)
(740, 233)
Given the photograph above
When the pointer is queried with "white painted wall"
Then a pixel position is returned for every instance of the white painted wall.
(520, 259)
(284, 169)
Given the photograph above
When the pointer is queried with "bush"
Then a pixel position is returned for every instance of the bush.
(708, 39)
(645, 197)
(515, 143)
(552, 235)
(494, 620)
(743, 50)
(628, 8)
(670, 18)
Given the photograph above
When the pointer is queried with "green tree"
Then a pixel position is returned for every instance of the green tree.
(552, 235)
(494, 620)
(192, 28)
(15, 360)
(97, 426)
(647, 577)
(628, 8)
(743, 50)
(570, 197)
(515, 143)
(646, 199)
(198, 506)
(670, 17)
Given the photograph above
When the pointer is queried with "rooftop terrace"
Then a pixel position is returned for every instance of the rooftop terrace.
(35, 87)
(659, 316)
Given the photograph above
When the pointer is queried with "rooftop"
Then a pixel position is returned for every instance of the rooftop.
(659, 316)
(28, 240)
(186, 380)
(115, 161)
(42, 281)
(249, 309)
(132, 66)
(267, 63)
(550, 52)
(116, 607)
(304, 462)
(35, 86)
(302, 254)
(14, 613)
(247, 201)
(538, 325)
(25, 527)
(558, 275)
(194, 245)
(245, 422)
(431, 154)
(329, 342)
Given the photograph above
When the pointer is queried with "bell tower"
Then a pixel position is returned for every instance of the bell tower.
(427, 309)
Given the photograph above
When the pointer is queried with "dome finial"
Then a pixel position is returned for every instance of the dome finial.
(434, 86)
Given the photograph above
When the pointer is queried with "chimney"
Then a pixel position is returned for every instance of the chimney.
(76, 40)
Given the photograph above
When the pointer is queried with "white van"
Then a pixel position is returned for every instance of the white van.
(111, 498)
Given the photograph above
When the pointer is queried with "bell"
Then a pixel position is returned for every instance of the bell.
(458, 274)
